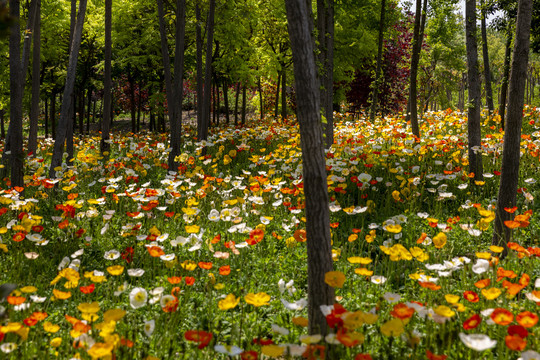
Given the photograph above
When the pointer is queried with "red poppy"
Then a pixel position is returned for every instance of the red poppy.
(199, 336)
(87, 289)
(262, 342)
(472, 322)
(127, 254)
(37, 228)
(314, 352)
(255, 236)
(18, 237)
(30, 321)
(471, 296)
(343, 337)
(249, 355)
(402, 311)
(189, 280)
(518, 330)
(432, 356)
(363, 357)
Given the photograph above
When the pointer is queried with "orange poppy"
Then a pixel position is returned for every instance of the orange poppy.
(527, 319)
(511, 288)
(472, 322)
(432, 356)
(402, 311)
(482, 283)
(216, 239)
(255, 236)
(300, 235)
(502, 273)
(514, 342)
(471, 296)
(429, 285)
(15, 300)
(502, 316)
(87, 289)
(225, 270)
(524, 280)
(18, 237)
(155, 251)
(174, 280)
(205, 265)
(189, 280)
(512, 224)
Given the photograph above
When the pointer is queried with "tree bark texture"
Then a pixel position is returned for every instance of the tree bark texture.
(325, 28)
(207, 91)
(512, 135)
(107, 82)
(506, 75)
(485, 55)
(36, 67)
(314, 172)
(16, 80)
(412, 113)
(67, 104)
(473, 83)
(199, 43)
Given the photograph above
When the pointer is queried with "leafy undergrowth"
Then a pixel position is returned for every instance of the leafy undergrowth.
(126, 260)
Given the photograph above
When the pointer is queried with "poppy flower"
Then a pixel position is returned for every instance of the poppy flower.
(402, 311)
(199, 336)
(527, 319)
(300, 235)
(87, 289)
(363, 357)
(20, 236)
(502, 316)
(515, 342)
(258, 299)
(205, 265)
(472, 322)
(335, 279)
(471, 296)
(224, 270)
(432, 356)
(255, 236)
(518, 330)
(190, 280)
(174, 280)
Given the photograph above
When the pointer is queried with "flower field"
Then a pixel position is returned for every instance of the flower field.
(119, 258)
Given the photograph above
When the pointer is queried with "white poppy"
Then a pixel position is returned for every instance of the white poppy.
(481, 266)
(135, 272)
(138, 297)
(149, 327)
(280, 330)
(230, 350)
(297, 305)
(112, 255)
(378, 279)
(478, 342)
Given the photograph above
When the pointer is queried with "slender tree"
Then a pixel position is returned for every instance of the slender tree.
(325, 28)
(412, 109)
(207, 91)
(36, 67)
(314, 172)
(66, 110)
(506, 73)
(485, 55)
(16, 94)
(473, 83)
(107, 82)
(512, 136)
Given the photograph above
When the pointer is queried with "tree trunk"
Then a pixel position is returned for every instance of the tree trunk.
(506, 74)
(105, 147)
(236, 103)
(218, 104)
(139, 108)
(485, 55)
(314, 172)
(200, 44)
(412, 113)
(244, 101)
(2, 128)
(203, 133)
(46, 118)
(53, 113)
(261, 100)
(325, 27)
(512, 136)
(473, 82)
(81, 112)
(379, 62)
(277, 95)
(132, 106)
(88, 109)
(16, 77)
(36, 67)
(284, 94)
(226, 100)
(65, 112)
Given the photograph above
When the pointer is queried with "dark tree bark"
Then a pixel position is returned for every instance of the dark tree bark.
(133, 108)
(485, 55)
(244, 101)
(412, 110)
(277, 95)
(314, 172)
(88, 109)
(105, 147)
(2, 128)
(36, 67)
(512, 135)
(67, 104)
(377, 82)
(200, 44)
(261, 100)
(226, 100)
(218, 103)
(16, 78)
(284, 94)
(53, 113)
(325, 27)
(506, 74)
(236, 103)
(203, 131)
(139, 108)
(473, 83)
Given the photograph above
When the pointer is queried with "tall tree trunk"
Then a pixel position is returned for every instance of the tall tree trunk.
(200, 45)
(277, 95)
(81, 112)
(506, 74)
(236, 103)
(473, 80)
(485, 55)
(412, 114)
(36, 67)
(325, 27)
(203, 133)
(88, 109)
(53, 113)
(375, 96)
(2, 127)
(218, 103)
(512, 136)
(16, 79)
(244, 101)
(226, 99)
(314, 172)
(46, 118)
(284, 94)
(105, 147)
(261, 100)
(139, 108)
(132, 106)
(67, 104)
